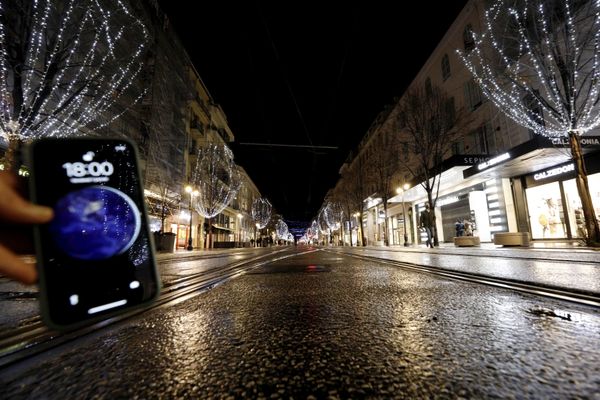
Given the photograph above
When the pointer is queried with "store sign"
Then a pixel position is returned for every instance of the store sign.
(585, 141)
(554, 172)
(473, 160)
(493, 161)
(446, 200)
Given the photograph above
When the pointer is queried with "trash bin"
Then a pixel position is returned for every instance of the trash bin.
(168, 242)
(164, 242)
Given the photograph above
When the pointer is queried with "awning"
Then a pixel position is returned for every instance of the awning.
(534, 155)
(221, 228)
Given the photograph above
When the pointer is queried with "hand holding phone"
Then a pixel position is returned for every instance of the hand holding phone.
(95, 257)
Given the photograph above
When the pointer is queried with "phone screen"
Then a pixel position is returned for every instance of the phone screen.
(95, 256)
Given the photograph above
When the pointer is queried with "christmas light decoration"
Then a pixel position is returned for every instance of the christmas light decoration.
(539, 62)
(323, 227)
(217, 179)
(261, 212)
(282, 230)
(313, 231)
(77, 71)
(332, 215)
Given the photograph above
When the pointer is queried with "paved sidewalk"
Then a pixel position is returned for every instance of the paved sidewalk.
(564, 251)
(554, 265)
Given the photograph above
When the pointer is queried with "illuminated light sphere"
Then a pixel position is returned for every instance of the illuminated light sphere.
(282, 230)
(261, 212)
(217, 178)
(332, 214)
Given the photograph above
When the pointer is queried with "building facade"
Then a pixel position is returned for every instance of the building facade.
(497, 175)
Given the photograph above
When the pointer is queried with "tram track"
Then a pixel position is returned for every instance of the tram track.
(573, 296)
(478, 253)
(33, 337)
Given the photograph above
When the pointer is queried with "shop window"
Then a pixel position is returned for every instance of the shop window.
(574, 207)
(546, 214)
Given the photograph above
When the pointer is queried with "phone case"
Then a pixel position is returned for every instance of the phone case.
(45, 307)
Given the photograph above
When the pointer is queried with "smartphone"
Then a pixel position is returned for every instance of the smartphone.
(95, 258)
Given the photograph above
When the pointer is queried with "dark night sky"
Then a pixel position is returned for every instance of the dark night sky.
(306, 73)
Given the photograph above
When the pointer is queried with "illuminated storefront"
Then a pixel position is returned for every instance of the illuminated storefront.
(480, 200)
(554, 205)
(543, 195)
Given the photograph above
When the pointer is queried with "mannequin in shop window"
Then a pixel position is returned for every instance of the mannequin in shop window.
(549, 218)
(468, 227)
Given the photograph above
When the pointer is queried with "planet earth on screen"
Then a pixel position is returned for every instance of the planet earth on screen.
(95, 223)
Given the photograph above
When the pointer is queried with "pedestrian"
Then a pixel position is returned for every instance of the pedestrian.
(460, 227)
(426, 222)
(15, 236)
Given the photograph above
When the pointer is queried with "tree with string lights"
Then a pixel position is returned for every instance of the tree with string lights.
(538, 61)
(282, 230)
(312, 232)
(333, 216)
(323, 227)
(261, 212)
(217, 179)
(66, 67)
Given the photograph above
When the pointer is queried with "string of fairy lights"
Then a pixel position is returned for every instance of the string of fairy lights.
(332, 214)
(84, 81)
(217, 179)
(282, 230)
(261, 212)
(558, 48)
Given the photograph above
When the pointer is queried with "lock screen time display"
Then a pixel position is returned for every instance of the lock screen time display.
(95, 254)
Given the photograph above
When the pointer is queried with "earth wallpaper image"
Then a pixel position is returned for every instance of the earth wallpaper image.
(95, 223)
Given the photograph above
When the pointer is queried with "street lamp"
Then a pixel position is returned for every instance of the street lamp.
(401, 191)
(256, 227)
(240, 216)
(356, 215)
(192, 193)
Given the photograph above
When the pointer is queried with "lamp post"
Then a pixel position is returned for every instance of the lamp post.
(355, 215)
(240, 216)
(192, 193)
(401, 191)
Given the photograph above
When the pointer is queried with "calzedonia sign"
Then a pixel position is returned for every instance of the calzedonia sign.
(560, 172)
(585, 141)
(549, 173)
(493, 161)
